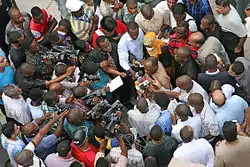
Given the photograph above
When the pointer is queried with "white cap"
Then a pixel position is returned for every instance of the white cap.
(74, 5)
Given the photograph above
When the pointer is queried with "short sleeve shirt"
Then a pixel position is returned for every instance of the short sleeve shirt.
(39, 30)
(155, 24)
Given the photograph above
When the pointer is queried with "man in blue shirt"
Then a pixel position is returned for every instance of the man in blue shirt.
(197, 9)
(6, 77)
(229, 109)
(165, 120)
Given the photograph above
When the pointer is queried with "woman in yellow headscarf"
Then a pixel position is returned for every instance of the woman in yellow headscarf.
(153, 44)
(157, 48)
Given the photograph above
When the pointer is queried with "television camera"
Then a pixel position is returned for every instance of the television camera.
(96, 93)
(61, 54)
(109, 115)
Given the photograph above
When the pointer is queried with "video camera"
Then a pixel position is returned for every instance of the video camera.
(63, 107)
(109, 114)
(61, 53)
(85, 77)
(96, 93)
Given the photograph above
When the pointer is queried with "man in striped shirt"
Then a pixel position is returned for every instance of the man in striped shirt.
(82, 19)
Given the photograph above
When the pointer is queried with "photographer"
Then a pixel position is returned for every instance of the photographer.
(34, 57)
(26, 78)
(75, 119)
(100, 159)
(49, 105)
(63, 94)
(101, 133)
(48, 143)
(91, 68)
(78, 93)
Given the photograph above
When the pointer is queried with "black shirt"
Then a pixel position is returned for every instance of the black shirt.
(189, 68)
(162, 152)
(205, 79)
(18, 56)
(97, 56)
(27, 83)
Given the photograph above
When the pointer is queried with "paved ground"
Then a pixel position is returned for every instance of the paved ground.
(50, 5)
(25, 6)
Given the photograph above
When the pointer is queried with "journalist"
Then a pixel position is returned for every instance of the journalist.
(26, 78)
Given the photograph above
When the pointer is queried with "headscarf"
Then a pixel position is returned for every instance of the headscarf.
(153, 44)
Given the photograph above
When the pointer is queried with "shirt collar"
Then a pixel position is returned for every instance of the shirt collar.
(213, 73)
(61, 33)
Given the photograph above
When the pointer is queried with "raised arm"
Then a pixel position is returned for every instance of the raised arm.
(42, 132)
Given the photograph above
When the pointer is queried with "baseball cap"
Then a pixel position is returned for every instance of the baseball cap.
(248, 7)
(79, 136)
(74, 5)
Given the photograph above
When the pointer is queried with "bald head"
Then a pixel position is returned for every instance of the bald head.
(184, 82)
(142, 105)
(79, 91)
(29, 129)
(197, 39)
(218, 98)
(13, 11)
(187, 134)
(196, 100)
(182, 111)
(75, 116)
(182, 54)
(27, 69)
(147, 12)
(25, 158)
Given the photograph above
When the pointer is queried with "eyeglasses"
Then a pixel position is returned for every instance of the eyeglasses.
(3, 60)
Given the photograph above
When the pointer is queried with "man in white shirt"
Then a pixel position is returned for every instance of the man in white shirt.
(130, 46)
(186, 86)
(231, 22)
(143, 116)
(11, 141)
(15, 105)
(209, 125)
(197, 151)
(183, 111)
(180, 15)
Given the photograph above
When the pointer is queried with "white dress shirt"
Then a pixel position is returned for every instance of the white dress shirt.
(135, 157)
(127, 45)
(17, 109)
(143, 122)
(194, 122)
(209, 124)
(197, 151)
(195, 89)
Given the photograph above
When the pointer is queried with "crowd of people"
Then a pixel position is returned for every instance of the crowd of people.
(183, 87)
